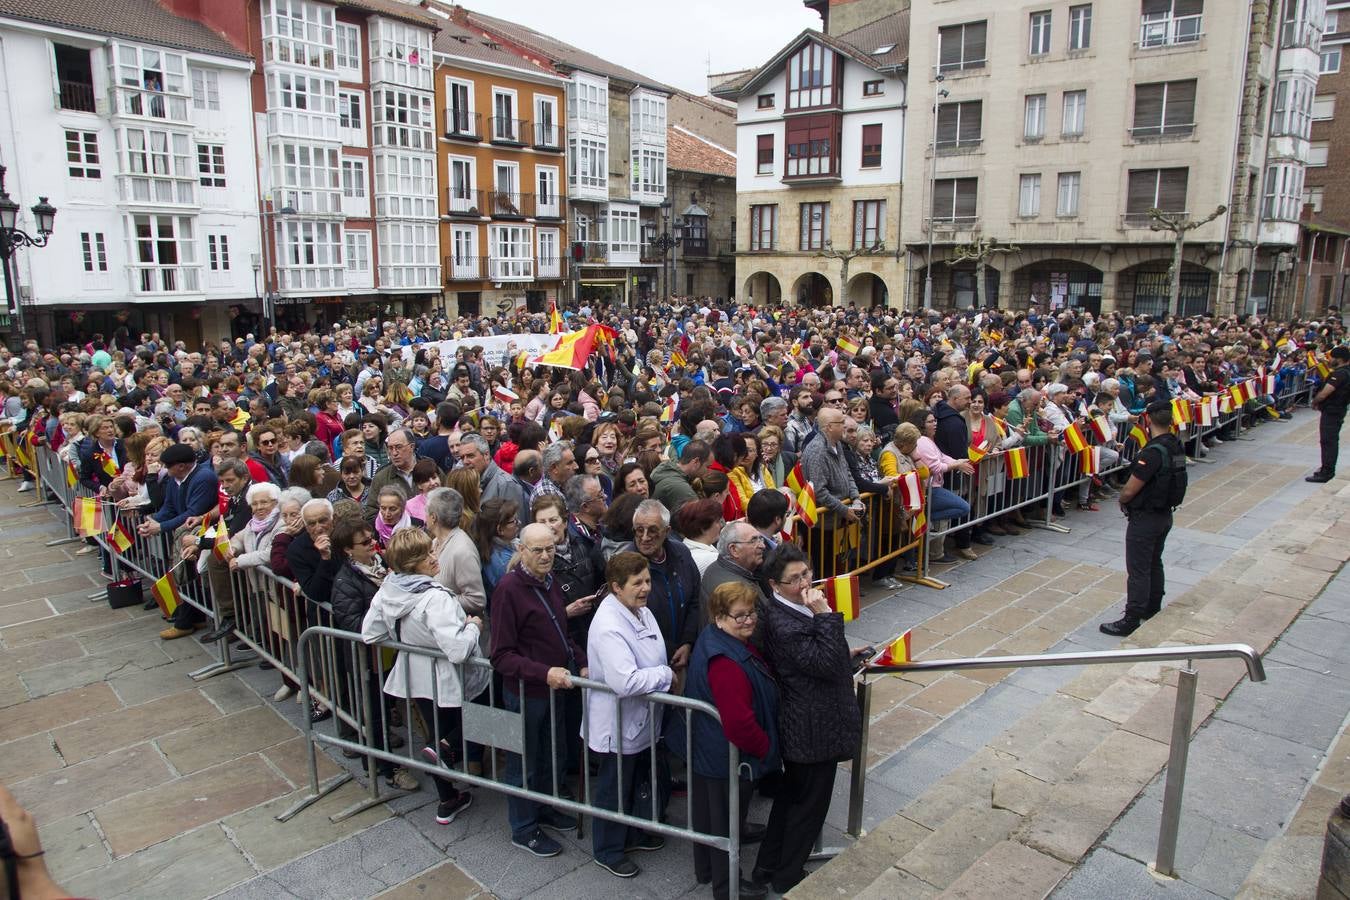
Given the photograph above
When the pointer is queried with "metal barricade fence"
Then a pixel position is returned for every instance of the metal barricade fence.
(359, 671)
(881, 536)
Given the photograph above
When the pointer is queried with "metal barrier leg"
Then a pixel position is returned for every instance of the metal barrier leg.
(858, 781)
(316, 793)
(1176, 772)
(359, 691)
(1050, 524)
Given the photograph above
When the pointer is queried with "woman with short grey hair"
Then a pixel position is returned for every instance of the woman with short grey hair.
(460, 568)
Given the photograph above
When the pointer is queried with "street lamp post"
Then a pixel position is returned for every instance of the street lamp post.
(664, 243)
(932, 188)
(12, 237)
(270, 294)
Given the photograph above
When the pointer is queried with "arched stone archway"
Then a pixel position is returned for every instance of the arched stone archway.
(763, 289)
(1144, 289)
(867, 289)
(813, 289)
(1058, 284)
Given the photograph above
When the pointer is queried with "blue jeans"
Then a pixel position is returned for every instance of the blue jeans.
(946, 505)
(543, 755)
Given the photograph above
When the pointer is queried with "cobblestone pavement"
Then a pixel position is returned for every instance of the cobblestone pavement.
(148, 784)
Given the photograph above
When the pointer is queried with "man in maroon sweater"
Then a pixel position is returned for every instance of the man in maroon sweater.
(533, 651)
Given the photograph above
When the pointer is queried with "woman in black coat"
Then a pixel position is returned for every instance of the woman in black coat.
(819, 724)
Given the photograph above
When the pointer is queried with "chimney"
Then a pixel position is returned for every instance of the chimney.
(459, 15)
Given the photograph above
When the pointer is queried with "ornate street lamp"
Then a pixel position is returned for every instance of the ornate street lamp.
(12, 237)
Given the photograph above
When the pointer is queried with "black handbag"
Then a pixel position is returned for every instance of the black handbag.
(127, 592)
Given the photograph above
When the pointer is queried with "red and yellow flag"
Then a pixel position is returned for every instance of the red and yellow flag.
(88, 514)
(976, 454)
(795, 480)
(1138, 436)
(571, 351)
(1091, 459)
(1015, 460)
(1235, 392)
(806, 506)
(1074, 439)
(165, 592)
(72, 477)
(220, 546)
(555, 322)
(1202, 413)
(847, 345)
(895, 653)
(119, 538)
(918, 523)
(668, 411)
(911, 491)
(1101, 427)
(843, 592)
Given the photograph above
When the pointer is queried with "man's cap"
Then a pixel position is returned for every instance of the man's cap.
(178, 453)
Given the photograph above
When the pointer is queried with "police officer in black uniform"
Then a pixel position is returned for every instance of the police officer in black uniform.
(1332, 400)
(1156, 486)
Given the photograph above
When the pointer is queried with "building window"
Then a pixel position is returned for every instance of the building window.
(158, 167)
(550, 266)
(871, 146)
(349, 110)
(815, 226)
(1166, 107)
(873, 88)
(1070, 185)
(1166, 22)
(95, 251)
(764, 101)
(959, 124)
(405, 186)
(309, 255)
(349, 50)
(588, 101)
(166, 254)
(811, 77)
(649, 170)
(1317, 153)
(205, 88)
(587, 167)
(546, 122)
(1080, 27)
(358, 251)
(763, 227)
(1040, 33)
(1324, 107)
(764, 154)
(407, 253)
(211, 165)
(1029, 195)
(1162, 189)
(307, 177)
(1331, 61)
(547, 204)
(218, 252)
(1313, 197)
(82, 154)
(954, 199)
(1284, 193)
(812, 146)
(505, 127)
(353, 177)
(1075, 113)
(869, 224)
(961, 47)
(1293, 107)
(1033, 126)
(401, 118)
(623, 230)
(74, 77)
(299, 33)
(648, 116)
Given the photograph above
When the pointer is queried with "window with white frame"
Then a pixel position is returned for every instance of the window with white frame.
(1314, 196)
(302, 104)
(1330, 61)
(353, 177)
(623, 230)
(151, 82)
(1040, 33)
(869, 224)
(350, 112)
(1029, 195)
(1293, 107)
(358, 251)
(1075, 113)
(218, 252)
(461, 188)
(464, 252)
(405, 186)
(402, 119)
(815, 226)
(307, 177)
(82, 154)
(1318, 152)
(546, 121)
(1166, 22)
(588, 102)
(811, 77)
(299, 32)
(587, 163)
(1164, 108)
(211, 165)
(649, 170)
(400, 53)
(1331, 23)
(547, 201)
(550, 264)
(309, 255)
(1080, 27)
(1324, 107)
(505, 125)
(1033, 118)
(1283, 197)
(94, 250)
(165, 254)
(506, 185)
(649, 116)
(510, 252)
(205, 88)
(348, 58)
(764, 226)
(158, 166)
(459, 113)
(1069, 188)
(408, 254)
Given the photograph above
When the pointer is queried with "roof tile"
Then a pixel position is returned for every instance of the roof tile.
(138, 20)
(686, 152)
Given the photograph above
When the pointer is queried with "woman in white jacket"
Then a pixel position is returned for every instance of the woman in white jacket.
(251, 546)
(412, 608)
(626, 651)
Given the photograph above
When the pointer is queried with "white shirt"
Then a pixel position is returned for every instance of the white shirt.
(795, 607)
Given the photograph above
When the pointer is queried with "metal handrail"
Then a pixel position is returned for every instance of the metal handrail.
(1182, 716)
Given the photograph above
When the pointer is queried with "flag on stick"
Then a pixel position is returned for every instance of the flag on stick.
(88, 517)
(165, 592)
(119, 538)
(1016, 462)
(895, 653)
(1138, 436)
(976, 454)
(1101, 427)
(911, 491)
(842, 593)
(220, 546)
(555, 322)
(72, 477)
(795, 480)
(806, 506)
(847, 345)
(505, 394)
(1091, 459)
(1074, 439)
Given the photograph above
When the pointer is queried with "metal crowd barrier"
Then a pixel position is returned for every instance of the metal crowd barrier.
(882, 535)
(359, 671)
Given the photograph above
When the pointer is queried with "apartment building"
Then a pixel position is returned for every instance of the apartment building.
(702, 176)
(820, 138)
(134, 123)
(616, 161)
(1044, 133)
(501, 161)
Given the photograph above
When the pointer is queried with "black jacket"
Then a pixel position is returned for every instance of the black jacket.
(818, 717)
(312, 572)
(953, 437)
(92, 474)
(674, 597)
(579, 573)
(352, 593)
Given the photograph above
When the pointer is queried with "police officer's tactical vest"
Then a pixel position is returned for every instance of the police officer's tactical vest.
(1166, 490)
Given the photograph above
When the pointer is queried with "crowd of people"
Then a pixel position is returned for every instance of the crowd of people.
(635, 522)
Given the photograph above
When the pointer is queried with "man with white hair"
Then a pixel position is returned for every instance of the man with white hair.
(559, 465)
(740, 553)
(493, 483)
(675, 580)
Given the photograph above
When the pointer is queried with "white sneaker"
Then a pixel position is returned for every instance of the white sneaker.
(26, 486)
(283, 693)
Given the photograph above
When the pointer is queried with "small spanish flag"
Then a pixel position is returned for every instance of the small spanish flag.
(505, 394)
(119, 538)
(842, 593)
(555, 432)
(555, 322)
(918, 523)
(847, 345)
(668, 411)
(1016, 462)
(1272, 412)
(795, 480)
(895, 653)
(1138, 436)
(1269, 384)
(109, 467)
(795, 349)
(1201, 413)
(72, 477)
(806, 506)
(1181, 411)
(978, 453)
(1074, 439)
(522, 360)
(220, 546)
(1235, 392)
(1091, 459)
(911, 491)
(1225, 403)
(88, 517)
(677, 358)
(1101, 427)
(165, 592)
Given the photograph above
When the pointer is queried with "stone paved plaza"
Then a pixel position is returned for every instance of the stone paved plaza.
(1021, 784)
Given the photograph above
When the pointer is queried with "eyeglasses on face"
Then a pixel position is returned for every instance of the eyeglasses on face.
(743, 618)
(649, 529)
(547, 550)
(799, 578)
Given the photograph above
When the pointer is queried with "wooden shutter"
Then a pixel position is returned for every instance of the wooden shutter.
(966, 190)
(1180, 109)
(1172, 190)
(949, 115)
(1188, 7)
(943, 192)
(971, 112)
(949, 47)
(975, 43)
(1156, 7)
(1148, 108)
(1139, 193)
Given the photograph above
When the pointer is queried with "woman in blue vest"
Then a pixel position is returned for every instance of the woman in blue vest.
(728, 672)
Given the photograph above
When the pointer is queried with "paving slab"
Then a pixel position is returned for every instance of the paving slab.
(110, 731)
(200, 863)
(80, 788)
(445, 880)
(269, 843)
(1010, 871)
(226, 738)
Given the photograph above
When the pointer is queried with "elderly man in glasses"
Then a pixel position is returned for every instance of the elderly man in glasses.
(674, 599)
(740, 553)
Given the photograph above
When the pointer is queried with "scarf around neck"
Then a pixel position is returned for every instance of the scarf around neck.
(262, 526)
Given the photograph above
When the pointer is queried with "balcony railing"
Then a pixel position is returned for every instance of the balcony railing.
(500, 269)
(166, 279)
(1143, 132)
(550, 207)
(1143, 220)
(463, 125)
(510, 205)
(461, 202)
(550, 267)
(595, 253)
(464, 268)
(547, 136)
(153, 104)
(698, 247)
(78, 96)
(509, 131)
(1168, 30)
